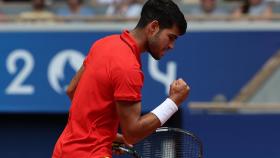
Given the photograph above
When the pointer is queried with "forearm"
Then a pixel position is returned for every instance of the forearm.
(135, 127)
(141, 128)
(70, 91)
(72, 86)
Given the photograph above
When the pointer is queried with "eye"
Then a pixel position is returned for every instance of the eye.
(172, 37)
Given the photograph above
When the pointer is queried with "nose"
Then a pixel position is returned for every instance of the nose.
(171, 45)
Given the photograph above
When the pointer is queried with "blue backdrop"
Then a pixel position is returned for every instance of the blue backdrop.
(36, 67)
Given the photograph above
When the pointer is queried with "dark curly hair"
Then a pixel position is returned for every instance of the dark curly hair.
(166, 12)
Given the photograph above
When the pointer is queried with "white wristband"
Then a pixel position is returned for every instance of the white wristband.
(165, 110)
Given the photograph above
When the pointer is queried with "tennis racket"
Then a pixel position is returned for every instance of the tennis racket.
(125, 150)
(168, 142)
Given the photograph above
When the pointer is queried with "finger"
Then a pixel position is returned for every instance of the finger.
(181, 82)
(129, 145)
(188, 89)
(173, 83)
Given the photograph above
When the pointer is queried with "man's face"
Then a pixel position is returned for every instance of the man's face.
(38, 4)
(73, 2)
(161, 41)
(255, 2)
(208, 5)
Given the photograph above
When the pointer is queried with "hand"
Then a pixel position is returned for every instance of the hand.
(179, 91)
(120, 139)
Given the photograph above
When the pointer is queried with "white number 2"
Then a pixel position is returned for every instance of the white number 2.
(17, 86)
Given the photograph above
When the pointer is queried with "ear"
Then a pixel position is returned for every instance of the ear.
(153, 27)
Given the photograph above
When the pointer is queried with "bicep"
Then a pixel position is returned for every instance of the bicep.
(129, 113)
(134, 126)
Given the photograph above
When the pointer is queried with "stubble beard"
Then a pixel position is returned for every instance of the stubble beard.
(152, 43)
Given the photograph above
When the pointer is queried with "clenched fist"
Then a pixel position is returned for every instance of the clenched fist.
(179, 91)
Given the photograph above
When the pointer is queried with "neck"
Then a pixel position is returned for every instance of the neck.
(140, 38)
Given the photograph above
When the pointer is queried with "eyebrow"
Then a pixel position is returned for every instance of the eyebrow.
(173, 35)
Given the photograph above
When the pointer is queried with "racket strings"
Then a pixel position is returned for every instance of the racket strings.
(169, 145)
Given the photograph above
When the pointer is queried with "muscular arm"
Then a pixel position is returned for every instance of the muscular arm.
(70, 91)
(134, 126)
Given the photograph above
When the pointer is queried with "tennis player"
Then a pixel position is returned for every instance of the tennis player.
(106, 91)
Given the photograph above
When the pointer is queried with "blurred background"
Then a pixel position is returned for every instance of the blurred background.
(229, 56)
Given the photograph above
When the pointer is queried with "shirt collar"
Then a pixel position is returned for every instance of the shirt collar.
(130, 41)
